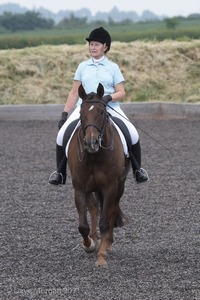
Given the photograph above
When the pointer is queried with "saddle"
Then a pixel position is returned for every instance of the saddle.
(119, 125)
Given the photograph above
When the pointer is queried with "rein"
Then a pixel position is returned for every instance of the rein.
(155, 140)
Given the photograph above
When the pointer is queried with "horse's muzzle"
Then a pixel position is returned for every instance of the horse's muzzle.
(92, 146)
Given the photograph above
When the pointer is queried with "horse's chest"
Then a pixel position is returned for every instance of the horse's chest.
(92, 180)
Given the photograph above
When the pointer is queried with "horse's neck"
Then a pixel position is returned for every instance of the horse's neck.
(108, 137)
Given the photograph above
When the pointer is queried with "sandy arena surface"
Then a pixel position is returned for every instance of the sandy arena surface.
(154, 257)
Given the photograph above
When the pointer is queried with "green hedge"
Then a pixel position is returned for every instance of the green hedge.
(32, 40)
(125, 34)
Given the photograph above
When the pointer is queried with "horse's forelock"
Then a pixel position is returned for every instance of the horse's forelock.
(91, 96)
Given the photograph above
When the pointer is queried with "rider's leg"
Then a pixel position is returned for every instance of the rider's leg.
(135, 156)
(59, 176)
(132, 138)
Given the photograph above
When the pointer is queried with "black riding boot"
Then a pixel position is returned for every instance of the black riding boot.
(135, 156)
(59, 176)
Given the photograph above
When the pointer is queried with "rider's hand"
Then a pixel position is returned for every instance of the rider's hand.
(63, 119)
(107, 99)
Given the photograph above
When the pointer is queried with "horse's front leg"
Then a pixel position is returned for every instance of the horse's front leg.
(106, 224)
(84, 229)
(93, 207)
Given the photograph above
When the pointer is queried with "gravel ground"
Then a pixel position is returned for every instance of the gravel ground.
(154, 257)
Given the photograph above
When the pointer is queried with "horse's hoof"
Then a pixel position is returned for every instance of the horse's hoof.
(101, 262)
(91, 248)
(109, 248)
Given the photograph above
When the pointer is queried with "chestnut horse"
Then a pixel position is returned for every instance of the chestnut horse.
(99, 169)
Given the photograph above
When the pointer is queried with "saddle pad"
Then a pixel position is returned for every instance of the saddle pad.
(67, 146)
(123, 140)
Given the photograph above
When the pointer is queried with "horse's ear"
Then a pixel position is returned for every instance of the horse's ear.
(81, 92)
(100, 90)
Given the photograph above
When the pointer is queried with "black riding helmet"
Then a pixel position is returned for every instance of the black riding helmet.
(100, 35)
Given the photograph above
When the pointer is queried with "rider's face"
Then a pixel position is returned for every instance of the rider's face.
(97, 49)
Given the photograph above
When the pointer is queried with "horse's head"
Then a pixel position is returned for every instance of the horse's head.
(93, 118)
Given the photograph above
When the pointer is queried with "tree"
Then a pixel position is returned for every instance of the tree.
(28, 21)
(172, 23)
(71, 22)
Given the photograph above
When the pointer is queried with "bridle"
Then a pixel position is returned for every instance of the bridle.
(100, 129)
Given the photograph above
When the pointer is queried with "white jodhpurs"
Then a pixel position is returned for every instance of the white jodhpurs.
(117, 112)
(74, 116)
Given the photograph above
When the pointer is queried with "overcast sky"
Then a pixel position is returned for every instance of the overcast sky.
(167, 7)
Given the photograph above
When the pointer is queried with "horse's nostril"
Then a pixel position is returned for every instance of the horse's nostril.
(95, 144)
(91, 146)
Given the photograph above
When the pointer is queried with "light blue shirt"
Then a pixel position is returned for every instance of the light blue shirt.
(105, 72)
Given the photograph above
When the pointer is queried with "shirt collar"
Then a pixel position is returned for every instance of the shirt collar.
(102, 61)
